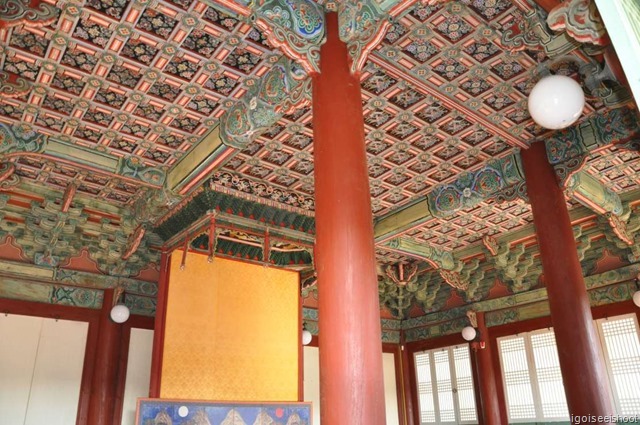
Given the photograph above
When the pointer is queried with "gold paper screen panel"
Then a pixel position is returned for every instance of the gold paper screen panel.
(231, 331)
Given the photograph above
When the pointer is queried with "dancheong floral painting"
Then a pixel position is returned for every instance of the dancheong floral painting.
(182, 412)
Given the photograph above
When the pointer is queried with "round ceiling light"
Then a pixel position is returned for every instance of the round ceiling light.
(556, 102)
(469, 333)
(120, 313)
(306, 337)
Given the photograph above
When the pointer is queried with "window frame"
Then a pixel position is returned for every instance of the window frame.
(615, 396)
(454, 383)
(533, 378)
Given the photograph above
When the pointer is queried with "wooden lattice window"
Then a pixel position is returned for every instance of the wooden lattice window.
(532, 379)
(445, 386)
(621, 349)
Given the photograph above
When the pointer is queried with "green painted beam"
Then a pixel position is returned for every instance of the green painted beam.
(588, 190)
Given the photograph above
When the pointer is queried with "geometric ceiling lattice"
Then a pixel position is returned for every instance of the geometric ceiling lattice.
(129, 79)
(142, 83)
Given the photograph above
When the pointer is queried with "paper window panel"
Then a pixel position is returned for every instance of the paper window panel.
(552, 397)
(517, 379)
(464, 384)
(623, 350)
(425, 388)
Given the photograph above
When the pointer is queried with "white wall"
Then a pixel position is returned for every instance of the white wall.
(390, 389)
(312, 381)
(41, 364)
(312, 384)
(138, 372)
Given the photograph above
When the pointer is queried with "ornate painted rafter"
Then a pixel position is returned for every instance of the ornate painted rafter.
(295, 27)
(470, 189)
(12, 85)
(134, 241)
(470, 275)
(8, 177)
(622, 230)
(399, 298)
(363, 24)
(502, 179)
(567, 150)
(513, 265)
(439, 259)
(532, 32)
(280, 91)
(30, 13)
(587, 190)
(52, 232)
(581, 20)
(41, 283)
(22, 140)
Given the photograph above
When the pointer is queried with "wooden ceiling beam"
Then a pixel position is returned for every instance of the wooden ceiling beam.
(548, 5)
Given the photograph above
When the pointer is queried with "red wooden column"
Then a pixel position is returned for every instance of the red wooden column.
(351, 380)
(487, 400)
(105, 373)
(158, 328)
(581, 361)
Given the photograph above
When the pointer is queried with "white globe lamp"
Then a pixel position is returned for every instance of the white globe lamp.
(556, 102)
(636, 298)
(120, 313)
(306, 337)
(469, 333)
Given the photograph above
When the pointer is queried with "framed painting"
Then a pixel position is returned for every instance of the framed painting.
(155, 411)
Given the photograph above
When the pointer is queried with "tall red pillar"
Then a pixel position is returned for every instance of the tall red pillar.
(351, 380)
(581, 361)
(489, 406)
(105, 370)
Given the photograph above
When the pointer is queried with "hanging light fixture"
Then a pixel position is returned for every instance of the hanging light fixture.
(636, 295)
(306, 335)
(469, 333)
(556, 102)
(119, 312)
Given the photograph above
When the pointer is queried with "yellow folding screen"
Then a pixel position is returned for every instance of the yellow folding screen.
(231, 331)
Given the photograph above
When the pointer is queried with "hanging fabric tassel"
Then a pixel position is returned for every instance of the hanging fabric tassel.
(267, 249)
(212, 237)
(184, 253)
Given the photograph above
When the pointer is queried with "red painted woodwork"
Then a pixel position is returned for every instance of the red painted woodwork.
(407, 390)
(581, 361)
(121, 379)
(497, 367)
(88, 368)
(105, 372)
(351, 379)
(611, 57)
(548, 5)
(490, 407)
(158, 334)
(66, 313)
(50, 311)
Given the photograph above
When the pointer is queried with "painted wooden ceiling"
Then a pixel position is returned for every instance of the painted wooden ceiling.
(140, 84)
